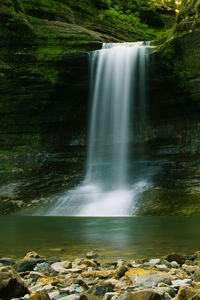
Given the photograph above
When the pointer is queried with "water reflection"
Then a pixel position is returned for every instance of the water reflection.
(113, 237)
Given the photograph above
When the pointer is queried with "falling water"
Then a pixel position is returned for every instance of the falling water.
(117, 71)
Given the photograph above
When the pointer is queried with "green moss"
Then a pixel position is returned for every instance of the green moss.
(8, 152)
(6, 166)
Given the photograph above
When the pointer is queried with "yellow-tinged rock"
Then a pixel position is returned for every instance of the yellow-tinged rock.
(90, 263)
(57, 249)
(99, 274)
(82, 267)
(32, 254)
(50, 280)
(173, 278)
(138, 271)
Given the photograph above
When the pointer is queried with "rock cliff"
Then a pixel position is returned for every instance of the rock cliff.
(44, 88)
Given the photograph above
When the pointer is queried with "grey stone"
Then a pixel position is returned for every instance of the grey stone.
(110, 295)
(116, 283)
(34, 274)
(181, 282)
(169, 290)
(61, 267)
(161, 267)
(100, 290)
(73, 289)
(174, 264)
(154, 261)
(150, 279)
(46, 288)
(24, 265)
(43, 267)
(70, 297)
(54, 295)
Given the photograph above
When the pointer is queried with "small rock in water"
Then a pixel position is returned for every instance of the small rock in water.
(43, 267)
(57, 249)
(52, 260)
(24, 265)
(154, 261)
(190, 257)
(32, 254)
(6, 261)
(91, 254)
(175, 257)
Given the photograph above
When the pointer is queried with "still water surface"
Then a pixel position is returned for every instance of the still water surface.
(68, 237)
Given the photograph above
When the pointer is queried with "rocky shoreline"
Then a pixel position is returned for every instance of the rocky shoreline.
(36, 278)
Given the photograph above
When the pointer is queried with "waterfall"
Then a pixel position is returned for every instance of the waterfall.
(118, 70)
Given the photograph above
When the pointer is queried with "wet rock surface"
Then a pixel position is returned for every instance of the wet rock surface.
(101, 281)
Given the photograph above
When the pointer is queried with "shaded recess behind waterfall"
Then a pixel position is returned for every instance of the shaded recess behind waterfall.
(118, 88)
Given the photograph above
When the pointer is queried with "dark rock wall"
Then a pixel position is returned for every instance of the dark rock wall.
(174, 135)
(171, 139)
(181, 52)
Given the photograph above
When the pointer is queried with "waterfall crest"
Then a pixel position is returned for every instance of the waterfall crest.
(117, 71)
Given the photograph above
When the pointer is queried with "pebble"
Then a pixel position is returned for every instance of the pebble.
(154, 261)
(180, 282)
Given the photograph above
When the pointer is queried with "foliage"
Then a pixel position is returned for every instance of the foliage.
(143, 16)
